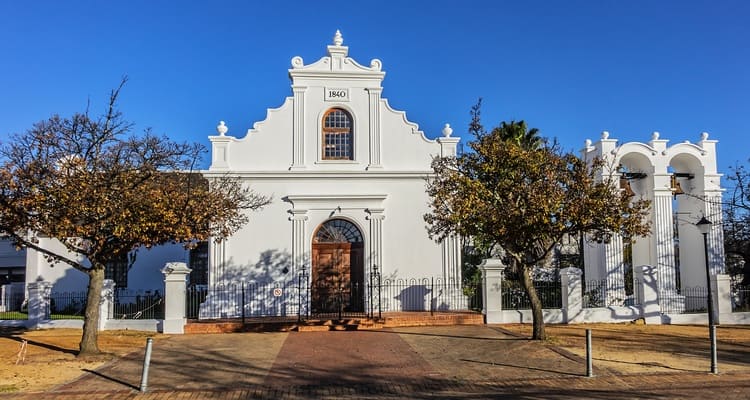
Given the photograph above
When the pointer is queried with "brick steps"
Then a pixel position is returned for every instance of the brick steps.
(388, 320)
(339, 325)
(407, 319)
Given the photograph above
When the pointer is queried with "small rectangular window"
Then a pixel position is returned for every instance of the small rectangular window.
(117, 270)
(199, 264)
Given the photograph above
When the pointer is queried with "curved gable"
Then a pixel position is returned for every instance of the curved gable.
(292, 137)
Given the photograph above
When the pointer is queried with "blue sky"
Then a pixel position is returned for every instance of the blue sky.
(569, 68)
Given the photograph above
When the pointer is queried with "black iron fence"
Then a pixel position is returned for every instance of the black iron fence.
(304, 299)
(128, 304)
(242, 300)
(72, 305)
(429, 294)
(66, 305)
(689, 300)
(514, 297)
(740, 298)
(595, 294)
(13, 306)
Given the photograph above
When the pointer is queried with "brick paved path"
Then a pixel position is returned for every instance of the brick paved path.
(417, 363)
(346, 359)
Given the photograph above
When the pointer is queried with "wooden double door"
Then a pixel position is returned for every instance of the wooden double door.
(338, 279)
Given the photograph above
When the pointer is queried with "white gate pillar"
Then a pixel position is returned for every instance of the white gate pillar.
(38, 306)
(107, 303)
(175, 276)
(492, 283)
(572, 295)
(721, 292)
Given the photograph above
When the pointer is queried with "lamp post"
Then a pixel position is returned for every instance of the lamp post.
(704, 226)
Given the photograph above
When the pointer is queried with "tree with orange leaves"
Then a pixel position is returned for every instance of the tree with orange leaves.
(526, 196)
(102, 193)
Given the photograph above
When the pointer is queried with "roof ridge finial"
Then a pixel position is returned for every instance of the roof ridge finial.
(338, 40)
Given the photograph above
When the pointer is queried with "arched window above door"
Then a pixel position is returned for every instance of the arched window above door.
(338, 135)
(338, 231)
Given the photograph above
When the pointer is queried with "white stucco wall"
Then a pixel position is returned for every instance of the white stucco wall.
(408, 252)
(381, 190)
(143, 275)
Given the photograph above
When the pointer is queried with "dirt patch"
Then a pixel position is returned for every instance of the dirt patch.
(49, 358)
(632, 348)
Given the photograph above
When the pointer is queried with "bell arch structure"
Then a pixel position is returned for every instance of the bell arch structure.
(683, 185)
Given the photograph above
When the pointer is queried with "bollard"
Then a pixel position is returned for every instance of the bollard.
(589, 363)
(146, 362)
(714, 363)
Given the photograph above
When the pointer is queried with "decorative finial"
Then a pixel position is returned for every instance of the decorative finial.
(338, 40)
(222, 128)
(587, 143)
(704, 135)
(605, 135)
(655, 135)
(447, 130)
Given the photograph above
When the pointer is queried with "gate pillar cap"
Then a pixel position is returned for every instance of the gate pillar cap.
(492, 264)
(175, 268)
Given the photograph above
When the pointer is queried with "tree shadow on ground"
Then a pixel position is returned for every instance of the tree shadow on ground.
(112, 379)
(521, 367)
(52, 347)
(343, 365)
(403, 332)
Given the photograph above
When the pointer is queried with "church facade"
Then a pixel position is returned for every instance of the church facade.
(347, 174)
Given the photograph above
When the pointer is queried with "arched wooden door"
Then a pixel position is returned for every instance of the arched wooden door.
(338, 277)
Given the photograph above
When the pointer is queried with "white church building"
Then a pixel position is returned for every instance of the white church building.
(347, 174)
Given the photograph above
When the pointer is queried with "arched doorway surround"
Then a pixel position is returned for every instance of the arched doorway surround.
(338, 275)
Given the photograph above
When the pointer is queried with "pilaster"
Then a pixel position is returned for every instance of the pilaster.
(299, 222)
(298, 128)
(715, 237)
(452, 260)
(376, 217)
(614, 271)
(663, 235)
(217, 264)
(374, 106)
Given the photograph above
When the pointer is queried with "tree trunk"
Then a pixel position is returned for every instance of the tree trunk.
(89, 341)
(536, 304)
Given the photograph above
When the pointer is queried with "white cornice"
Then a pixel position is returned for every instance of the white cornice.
(355, 75)
(296, 174)
(342, 201)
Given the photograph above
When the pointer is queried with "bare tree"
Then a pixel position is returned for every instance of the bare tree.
(102, 192)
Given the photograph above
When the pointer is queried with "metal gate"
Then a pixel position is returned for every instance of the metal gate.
(340, 298)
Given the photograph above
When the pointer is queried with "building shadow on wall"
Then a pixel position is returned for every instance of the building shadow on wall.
(414, 297)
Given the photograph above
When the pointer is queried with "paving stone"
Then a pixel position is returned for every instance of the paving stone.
(447, 362)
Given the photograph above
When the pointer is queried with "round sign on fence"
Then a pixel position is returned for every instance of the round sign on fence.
(277, 292)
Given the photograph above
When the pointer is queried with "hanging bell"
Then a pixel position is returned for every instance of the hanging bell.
(676, 188)
(625, 186)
